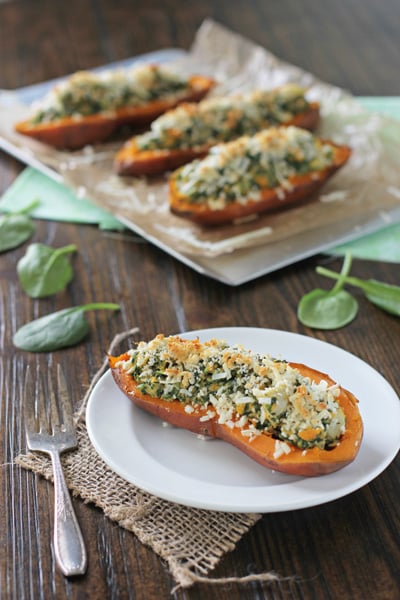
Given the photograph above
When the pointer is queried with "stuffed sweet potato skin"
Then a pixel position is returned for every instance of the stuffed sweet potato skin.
(68, 133)
(302, 187)
(130, 160)
(72, 134)
(262, 449)
(134, 162)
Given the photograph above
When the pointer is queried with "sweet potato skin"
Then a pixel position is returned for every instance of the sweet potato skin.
(302, 187)
(71, 133)
(134, 162)
(262, 448)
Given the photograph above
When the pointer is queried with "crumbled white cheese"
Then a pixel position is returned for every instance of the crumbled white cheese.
(222, 119)
(239, 388)
(335, 196)
(239, 171)
(281, 448)
(208, 416)
(85, 92)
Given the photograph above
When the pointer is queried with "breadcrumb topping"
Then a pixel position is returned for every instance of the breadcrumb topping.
(240, 170)
(86, 93)
(222, 119)
(239, 388)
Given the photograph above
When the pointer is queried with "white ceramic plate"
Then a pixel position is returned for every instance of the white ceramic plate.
(177, 465)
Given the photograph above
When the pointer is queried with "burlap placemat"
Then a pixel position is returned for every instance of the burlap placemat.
(190, 540)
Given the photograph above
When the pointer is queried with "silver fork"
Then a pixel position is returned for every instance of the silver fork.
(50, 429)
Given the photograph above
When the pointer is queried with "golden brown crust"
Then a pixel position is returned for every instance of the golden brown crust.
(72, 134)
(262, 448)
(132, 161)
(302, 187)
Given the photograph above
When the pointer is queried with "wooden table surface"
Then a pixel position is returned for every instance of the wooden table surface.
(346, 549)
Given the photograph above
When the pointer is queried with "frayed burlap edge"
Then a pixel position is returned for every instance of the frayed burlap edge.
(191, 541)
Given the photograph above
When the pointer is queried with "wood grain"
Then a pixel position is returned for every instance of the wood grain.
(346, 549)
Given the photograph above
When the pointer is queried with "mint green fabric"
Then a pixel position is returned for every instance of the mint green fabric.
(384, 244)
(57, 202)
(388, 105)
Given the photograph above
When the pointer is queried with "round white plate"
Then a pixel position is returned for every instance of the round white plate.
(178, 465)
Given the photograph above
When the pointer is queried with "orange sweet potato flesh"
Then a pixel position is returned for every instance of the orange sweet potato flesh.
(130, 160)
(71, 134)
(302, 187)
(310, 463)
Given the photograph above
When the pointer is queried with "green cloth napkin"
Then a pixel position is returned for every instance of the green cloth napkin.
(59, 203)
(383, 245)
(388, 105)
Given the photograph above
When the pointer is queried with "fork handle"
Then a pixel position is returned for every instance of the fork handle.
(69, 547)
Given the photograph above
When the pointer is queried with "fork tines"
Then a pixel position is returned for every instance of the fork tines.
(49, 411)
(50, 429)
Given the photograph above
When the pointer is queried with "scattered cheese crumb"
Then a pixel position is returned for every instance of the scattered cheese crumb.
(281, 448)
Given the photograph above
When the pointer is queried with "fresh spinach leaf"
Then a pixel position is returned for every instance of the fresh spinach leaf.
(383, 295)
(57, 330)
(44, 271)
(329, 309)
(320, 309)
(16, 228)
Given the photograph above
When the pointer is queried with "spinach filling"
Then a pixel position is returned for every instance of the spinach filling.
(85, 93)
(242, 169)
(222, 120)
(256, 393)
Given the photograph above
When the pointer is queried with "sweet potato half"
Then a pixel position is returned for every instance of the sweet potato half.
(302, 187)
(130, 160)
(263, 448)
(72, 133)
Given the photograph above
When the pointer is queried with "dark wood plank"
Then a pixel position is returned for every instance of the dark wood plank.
(344, 549)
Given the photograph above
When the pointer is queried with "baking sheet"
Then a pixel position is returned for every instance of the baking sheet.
(362, 198)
